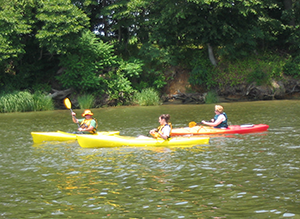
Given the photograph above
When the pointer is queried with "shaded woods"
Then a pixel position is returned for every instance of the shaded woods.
(115, 49)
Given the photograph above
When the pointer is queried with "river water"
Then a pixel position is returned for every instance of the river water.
(239, 176)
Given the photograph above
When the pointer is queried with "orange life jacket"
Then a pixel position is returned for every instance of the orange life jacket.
(87, 122)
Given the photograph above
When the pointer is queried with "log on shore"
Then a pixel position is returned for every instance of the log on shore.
(190, 98)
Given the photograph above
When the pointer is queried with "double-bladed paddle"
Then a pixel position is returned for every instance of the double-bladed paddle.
(193, 124)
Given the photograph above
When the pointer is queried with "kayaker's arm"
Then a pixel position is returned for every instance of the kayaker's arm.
(163, 136)
(165, 132)
(86, 129)
(154, 131)
(220, 119)
(74, 118)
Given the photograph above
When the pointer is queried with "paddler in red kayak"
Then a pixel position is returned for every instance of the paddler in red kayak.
(87, 124)
(220, 119)
(164, 130)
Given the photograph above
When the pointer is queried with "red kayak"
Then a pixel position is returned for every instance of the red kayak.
(207, 130)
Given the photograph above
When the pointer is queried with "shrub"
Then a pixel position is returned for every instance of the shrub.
(86, 101)
(201, 70)
(119, 87)
(211, 97)
(42, 102)
(292, 67)
(198, 75)
(260, 69)
(258, 76)
(22, 101)
(147, 97)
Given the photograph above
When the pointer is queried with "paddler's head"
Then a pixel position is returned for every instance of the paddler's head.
(87, 113)
(218, 109)
(164, 119)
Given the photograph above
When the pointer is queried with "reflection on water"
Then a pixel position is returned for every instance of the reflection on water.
(239, 176)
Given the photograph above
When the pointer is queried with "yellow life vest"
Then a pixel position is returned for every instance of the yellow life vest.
(156, 135)
(87, 122)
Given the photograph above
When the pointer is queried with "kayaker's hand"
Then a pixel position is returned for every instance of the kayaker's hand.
(152, 131)
(73, 114)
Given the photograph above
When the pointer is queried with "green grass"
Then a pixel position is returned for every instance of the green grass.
(23, 101)
(211, 97)
(86, 101)
(147, 97)
(260, 69)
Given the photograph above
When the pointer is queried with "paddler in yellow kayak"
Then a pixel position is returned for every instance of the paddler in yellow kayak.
(87, 125)
(164, 130)
(220, 119)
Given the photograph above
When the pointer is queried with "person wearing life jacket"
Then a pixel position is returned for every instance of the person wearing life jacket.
(87, 124)
(164, 130)
(220, 119)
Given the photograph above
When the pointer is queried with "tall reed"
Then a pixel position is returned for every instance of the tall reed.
(23, 101)
(42, 102)
(211, 97)
(147, 97)
(86, 101)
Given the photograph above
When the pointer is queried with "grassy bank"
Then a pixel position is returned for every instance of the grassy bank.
(228, 78)
(24, 101)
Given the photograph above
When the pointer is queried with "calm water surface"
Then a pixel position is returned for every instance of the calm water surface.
(240, 176)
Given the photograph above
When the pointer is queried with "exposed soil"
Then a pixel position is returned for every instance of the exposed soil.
(179, 84)
(179, 90)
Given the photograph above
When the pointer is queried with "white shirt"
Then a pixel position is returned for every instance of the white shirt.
(166, 130)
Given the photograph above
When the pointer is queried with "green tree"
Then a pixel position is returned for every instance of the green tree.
(61, 25)
(38, 39)
(32, 34)
(15, 26)
(12, 27)
(85, 66)
(228, 28)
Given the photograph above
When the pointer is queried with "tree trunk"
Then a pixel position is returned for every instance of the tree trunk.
(211, 55)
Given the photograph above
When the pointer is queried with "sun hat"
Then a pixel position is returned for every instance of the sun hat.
(87, 112)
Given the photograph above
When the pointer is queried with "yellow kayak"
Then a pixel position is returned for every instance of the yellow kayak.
(39, 137)
(101, 141)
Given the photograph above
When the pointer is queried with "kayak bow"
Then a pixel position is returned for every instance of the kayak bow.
(39, 137)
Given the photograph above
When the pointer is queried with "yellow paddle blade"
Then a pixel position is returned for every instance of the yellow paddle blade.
(68, 103)
(192, 124)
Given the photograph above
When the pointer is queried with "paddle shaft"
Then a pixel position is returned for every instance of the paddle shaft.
(74, 118)
(68, 105)
(193, 124)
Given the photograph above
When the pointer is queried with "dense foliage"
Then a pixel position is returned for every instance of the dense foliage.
(23, 101)
(147, 97)
(123, 46)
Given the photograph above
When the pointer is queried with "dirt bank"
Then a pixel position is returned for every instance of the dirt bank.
(180, 91)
